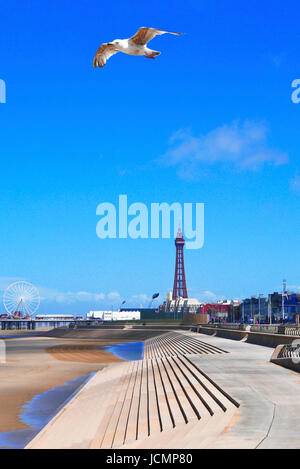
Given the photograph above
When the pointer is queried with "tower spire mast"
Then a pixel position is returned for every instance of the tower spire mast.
(179, 288)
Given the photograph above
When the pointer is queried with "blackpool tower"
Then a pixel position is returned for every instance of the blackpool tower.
(179, 289)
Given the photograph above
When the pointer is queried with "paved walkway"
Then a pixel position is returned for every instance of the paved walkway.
(269, 414)
(190, 391)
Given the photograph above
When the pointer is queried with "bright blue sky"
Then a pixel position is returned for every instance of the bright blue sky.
(73, 137)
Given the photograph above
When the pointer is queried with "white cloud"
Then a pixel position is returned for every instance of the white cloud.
(114, 295)
(209, 294)
(243, 145)
(142, 297)
(6, 281)
(52, 295)
(291, 287)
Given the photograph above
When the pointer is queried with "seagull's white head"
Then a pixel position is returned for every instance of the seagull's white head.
(119, 44)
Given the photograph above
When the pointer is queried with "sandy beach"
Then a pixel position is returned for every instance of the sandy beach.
(37, 364)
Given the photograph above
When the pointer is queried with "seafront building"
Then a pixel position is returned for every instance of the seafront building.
(274, 307)
(134, 315)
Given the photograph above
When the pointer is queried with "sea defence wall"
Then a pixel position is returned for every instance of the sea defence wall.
(259, 338)
(122, 335)
(22, 332)
(195, 318)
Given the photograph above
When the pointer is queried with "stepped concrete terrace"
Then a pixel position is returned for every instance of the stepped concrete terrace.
(190, 391)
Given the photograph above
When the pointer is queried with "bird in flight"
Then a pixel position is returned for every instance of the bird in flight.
(135, 45)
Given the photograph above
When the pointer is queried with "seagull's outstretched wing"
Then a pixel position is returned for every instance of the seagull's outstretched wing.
(144, 35)
(104, 52)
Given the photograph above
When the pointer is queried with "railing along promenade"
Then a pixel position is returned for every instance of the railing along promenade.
(269, 335)
(267, 328)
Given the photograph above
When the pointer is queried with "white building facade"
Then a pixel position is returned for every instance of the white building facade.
(114, 315)
(181, 305)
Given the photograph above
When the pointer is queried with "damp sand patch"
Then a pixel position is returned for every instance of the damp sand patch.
(36, 413)
(89, 352)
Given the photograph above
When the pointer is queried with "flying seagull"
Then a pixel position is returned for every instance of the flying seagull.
(136, 45)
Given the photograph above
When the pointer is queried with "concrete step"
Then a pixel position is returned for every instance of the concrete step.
(154, 414)
(120, 433)
(175, 410)
(164, 410)
(101, 436)
(111, 428)
(173, 344)
(133, 413)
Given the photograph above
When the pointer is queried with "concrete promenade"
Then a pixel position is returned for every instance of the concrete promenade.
(190, 391)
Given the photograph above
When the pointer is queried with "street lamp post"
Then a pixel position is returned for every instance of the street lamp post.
(270, 309)
(154, 296)
(259, 297)
(282, 306)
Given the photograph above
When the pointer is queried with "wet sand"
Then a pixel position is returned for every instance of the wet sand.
(35, 365)
(89, 352)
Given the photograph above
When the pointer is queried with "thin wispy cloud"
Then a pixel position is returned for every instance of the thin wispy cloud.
(295, 184)
(99, 299)
(70, 297)
(6, 281)
(142, 298)
(114, 295)
(204, 296)
(241, 145)
(209, 294)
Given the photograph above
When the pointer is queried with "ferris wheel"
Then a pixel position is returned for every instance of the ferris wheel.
(21, 299)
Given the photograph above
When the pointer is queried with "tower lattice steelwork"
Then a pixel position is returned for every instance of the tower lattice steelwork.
(179, 289)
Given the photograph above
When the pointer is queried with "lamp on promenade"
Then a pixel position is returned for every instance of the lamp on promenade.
(282, 306)
(154, 296)
(270, 308)
(259, 297)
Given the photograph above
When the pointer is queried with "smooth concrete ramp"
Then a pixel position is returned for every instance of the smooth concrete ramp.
(269, 410)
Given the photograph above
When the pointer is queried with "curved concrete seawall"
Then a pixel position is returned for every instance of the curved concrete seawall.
(105, 334)
(259, 338)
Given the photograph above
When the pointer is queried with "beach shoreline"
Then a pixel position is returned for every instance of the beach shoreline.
(35, 365)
